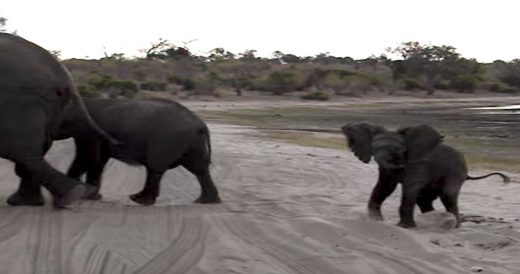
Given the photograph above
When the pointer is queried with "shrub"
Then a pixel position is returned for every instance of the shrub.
(200, 85)
(441, 84)
(316, 95)
(99, 81)
(411, 84)
(174, 79)
(154, 86)
(279, 82)
(464, 84)
(88, 91)
(187, 84)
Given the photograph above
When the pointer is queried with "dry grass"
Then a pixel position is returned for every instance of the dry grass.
(305, 139)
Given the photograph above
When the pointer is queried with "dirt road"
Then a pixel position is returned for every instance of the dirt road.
(287, 209)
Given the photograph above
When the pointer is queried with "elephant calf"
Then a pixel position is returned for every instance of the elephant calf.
(416, 158)
(159, 134)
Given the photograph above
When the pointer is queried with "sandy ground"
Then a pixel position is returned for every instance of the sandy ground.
(286, 209)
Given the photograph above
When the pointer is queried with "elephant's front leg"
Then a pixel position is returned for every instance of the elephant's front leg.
(410, 189)
(386, 184)
(29, 190)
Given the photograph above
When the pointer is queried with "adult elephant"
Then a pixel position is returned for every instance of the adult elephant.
(415, 157)
(156, 133)
(34, 90)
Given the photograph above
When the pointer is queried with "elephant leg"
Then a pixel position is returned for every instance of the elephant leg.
(150, 192)
(29, 190)
(63, 189)
(408, 202)
(425, 199)
(96, 155)
(78, 167)
(209, 193)
(197, 162)
(449, 198)
(94, 174)
(386, 184)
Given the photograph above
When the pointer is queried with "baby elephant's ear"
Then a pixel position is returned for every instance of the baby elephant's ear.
(359, 138)
(420, 139)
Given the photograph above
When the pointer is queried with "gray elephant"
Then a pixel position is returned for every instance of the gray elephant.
(416, 158)
(35, 88)
(157, 133)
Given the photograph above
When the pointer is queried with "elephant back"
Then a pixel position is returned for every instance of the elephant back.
(26, 67)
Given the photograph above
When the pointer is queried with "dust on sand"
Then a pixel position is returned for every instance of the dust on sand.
(287, 209)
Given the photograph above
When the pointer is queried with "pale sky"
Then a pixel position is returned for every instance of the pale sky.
(485, 30)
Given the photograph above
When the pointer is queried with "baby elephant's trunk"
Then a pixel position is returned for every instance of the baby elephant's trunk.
(504, 177)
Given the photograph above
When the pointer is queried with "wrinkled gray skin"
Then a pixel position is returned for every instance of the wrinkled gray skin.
(416, 158)
(158, 134)
(34, 90)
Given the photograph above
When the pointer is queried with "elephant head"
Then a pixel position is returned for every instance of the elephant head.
(359, 138)
(390, 149)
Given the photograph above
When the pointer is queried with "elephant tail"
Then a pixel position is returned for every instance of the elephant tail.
(505, 178)
(76, 99)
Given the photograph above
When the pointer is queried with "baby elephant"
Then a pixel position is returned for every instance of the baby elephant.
(159, 134)
(416, 158)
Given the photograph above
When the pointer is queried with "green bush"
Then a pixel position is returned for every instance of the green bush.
(188, 84)
(204, 85)
(88, 91)
(464, 84)
(411, 84)
(279, 82)
(99, 81)
(174, 79)
(316, 95)
(154, 86)
(441, 84)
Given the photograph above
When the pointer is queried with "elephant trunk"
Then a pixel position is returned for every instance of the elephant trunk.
(388, 161)
(76, 99)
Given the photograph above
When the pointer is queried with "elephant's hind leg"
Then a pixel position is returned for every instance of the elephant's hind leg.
(199, 166)
(449, 197)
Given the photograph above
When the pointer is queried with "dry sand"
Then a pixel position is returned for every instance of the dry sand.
(287, 209)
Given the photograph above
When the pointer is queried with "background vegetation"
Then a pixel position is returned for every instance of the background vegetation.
(176, 70)
(168, 68)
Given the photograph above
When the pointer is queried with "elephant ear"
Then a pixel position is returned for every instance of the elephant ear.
(359, 138)
(419, 140)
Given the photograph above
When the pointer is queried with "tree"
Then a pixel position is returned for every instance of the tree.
(509, 72)
(433, 64)
(220, 54)
(3, 22)
(248, 55)
(157, 49)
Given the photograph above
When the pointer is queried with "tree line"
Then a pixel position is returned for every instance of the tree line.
(166, 67)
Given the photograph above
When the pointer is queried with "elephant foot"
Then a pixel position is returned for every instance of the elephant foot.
(407, 224)
(142, 199)
(73, 195)
(95, 196)
(375, 216)
(18, 200)
(208, 200)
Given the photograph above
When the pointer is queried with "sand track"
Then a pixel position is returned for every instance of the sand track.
(287, 209)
